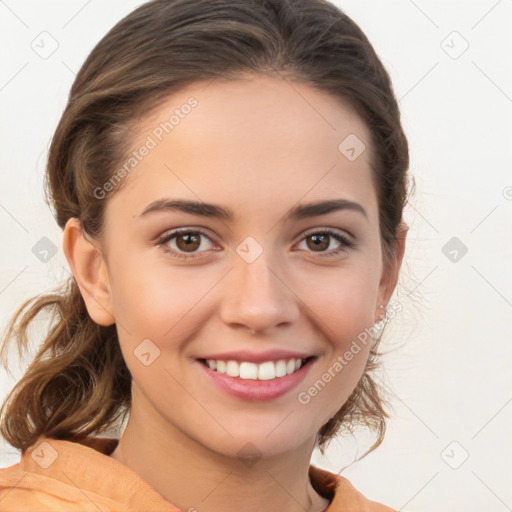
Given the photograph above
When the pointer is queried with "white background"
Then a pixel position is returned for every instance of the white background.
(451, 359)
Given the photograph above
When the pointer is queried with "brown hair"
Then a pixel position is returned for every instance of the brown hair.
(78, 383)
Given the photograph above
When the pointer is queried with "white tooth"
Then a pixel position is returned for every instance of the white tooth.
(266, 371)
(212, 364)
(281, 368)
(232, 369)
(221, 366)
(298, 363)
(248, 370)
(290, 366)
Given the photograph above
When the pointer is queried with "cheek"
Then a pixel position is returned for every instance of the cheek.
(150, 298)
(351, 315)
(156, 312)
(343, 300)
(343, 304)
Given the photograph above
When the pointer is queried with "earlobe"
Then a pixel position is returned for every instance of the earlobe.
(90, 271)
(390, 274)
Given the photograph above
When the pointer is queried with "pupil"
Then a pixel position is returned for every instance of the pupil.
(189, 241)
(319, 240)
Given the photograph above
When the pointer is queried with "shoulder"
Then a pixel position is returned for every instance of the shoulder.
(343, 495)
(31, 492)
(72, 476)
(44, 478)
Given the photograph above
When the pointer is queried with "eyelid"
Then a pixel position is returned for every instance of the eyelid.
(169, 235)
(337, 231)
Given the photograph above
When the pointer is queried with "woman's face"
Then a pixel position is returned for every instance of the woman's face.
(262, 149)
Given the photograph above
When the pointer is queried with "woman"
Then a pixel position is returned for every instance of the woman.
(230, 179)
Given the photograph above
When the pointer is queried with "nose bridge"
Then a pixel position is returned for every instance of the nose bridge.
(258, 298)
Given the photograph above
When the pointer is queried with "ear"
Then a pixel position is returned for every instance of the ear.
(391, 271)
(90, 271)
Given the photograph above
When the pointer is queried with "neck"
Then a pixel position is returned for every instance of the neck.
(193, 477)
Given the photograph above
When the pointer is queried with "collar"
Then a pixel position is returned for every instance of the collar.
(83, 465)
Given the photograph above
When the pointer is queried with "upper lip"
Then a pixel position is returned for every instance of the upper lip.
(257, 357)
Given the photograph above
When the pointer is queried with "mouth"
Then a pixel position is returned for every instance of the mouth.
(262, 381)
(264, 371)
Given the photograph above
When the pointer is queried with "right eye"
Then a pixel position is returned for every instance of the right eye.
(186, 241)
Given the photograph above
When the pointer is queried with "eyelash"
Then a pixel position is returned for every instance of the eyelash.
(345, 242)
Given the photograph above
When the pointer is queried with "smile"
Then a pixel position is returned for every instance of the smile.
(267, 370)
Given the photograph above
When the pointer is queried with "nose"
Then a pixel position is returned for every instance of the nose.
(258, 297)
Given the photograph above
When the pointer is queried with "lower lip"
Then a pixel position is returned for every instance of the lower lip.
(257, 390)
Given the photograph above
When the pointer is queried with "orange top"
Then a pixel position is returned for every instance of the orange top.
(80, 476)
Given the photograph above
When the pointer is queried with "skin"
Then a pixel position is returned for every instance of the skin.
(257, 146)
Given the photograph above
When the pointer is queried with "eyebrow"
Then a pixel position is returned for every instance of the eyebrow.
(301, 211)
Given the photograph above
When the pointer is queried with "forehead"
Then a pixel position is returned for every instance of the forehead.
(258, 137)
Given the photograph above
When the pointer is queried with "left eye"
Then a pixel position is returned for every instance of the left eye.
(322, 240)
(188, 241)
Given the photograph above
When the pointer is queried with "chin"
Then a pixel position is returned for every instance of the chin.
(252, 444)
